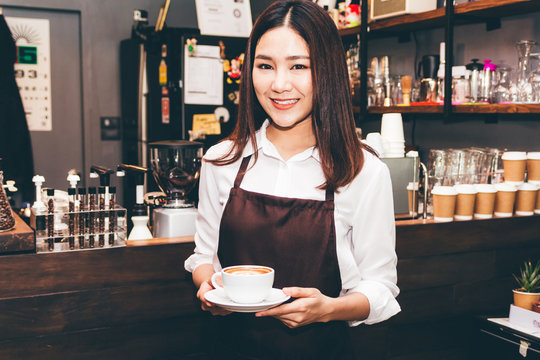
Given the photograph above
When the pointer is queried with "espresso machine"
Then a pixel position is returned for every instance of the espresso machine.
(175, 165)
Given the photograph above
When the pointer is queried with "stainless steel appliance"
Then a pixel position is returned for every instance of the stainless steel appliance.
(175, 165)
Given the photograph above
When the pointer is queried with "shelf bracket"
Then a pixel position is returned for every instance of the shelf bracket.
(363, 60)
(449, 58)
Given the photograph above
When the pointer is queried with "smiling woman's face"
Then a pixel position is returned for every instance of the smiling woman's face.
(282, 77)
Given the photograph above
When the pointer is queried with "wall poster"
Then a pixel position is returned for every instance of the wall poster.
(33, 69)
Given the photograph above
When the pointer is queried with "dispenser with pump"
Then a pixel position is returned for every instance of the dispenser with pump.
(139, 214)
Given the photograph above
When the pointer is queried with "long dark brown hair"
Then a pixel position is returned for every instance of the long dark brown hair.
(332, 116)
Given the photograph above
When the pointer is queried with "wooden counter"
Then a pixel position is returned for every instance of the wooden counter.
(138, 302)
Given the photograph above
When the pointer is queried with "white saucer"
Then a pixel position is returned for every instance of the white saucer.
(218, 297)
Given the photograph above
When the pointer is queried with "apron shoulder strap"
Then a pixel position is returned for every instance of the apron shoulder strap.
(329, 194)
(241, 171)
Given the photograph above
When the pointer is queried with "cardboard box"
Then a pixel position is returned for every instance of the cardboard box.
(525, 318)
(20, 239)
(381, 9)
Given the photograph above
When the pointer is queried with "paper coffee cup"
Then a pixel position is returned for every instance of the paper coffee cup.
(505, 199)
(412, 190)
(485, 201)
(514, 163)
(533, 167)
(537, 206)
(466, 196)
(444, 203)
(526, 199)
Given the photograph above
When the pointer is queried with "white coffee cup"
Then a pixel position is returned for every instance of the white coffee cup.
(246, 284)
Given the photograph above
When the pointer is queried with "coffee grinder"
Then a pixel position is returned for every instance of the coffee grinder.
(176, 166)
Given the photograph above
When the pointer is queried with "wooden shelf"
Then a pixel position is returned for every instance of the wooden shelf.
(470, 12)
(349, 31)
(458, 109)
(425, 109)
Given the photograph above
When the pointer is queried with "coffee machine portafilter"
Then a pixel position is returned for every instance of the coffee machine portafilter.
(176, 167)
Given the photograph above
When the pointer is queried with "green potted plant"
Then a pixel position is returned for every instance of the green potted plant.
(529, 285)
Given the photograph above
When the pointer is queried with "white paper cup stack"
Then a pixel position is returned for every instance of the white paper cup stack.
(393, 139)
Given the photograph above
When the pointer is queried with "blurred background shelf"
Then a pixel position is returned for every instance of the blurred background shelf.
(458, 109)
(471, 12)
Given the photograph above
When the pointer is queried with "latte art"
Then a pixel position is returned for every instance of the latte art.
(247, 271)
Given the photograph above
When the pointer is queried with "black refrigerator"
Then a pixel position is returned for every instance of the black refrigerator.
(168, 116)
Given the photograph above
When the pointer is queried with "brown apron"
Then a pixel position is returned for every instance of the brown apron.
(297, 238)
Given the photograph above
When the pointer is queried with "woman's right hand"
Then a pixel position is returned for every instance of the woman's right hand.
(207, 305)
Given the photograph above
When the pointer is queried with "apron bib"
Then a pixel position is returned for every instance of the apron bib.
(297, 238)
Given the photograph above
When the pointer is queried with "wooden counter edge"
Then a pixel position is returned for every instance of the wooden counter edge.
(161, 241)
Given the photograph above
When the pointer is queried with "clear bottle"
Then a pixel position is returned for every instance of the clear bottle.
(101, 216)
(50, 218)
(92, 218)
(71, 217)
(524, 90)
(112, 214)
(7, 220)
(83, 216)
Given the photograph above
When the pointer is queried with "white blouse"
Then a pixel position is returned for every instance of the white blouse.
(363, 213)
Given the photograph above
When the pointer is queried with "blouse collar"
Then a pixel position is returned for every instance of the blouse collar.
(268, 149)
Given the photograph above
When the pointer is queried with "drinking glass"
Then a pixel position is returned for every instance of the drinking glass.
(456, 169)
(524, 90)
(505, 88)
(534, 80)
(436, 169)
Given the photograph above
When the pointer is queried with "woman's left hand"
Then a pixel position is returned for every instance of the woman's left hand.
(309, 307)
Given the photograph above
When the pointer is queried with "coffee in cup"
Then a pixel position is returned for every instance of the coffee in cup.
(485, 201)
(505, 200)
(514, 163)
(533, 168)
(444, 203)
(466, 196)
(526, 199)
(412, 190)
(246, 284)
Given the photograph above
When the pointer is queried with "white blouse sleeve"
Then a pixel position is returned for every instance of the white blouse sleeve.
(208, 220)
(374, 240)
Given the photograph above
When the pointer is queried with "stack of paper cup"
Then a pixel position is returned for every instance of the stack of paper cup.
(444, 203)
(412, 191)
(514, 163)
(374, 140)
(537, 206)
(533, 168)
(485, 201)
(505, 200)
(526, 199)
(466, 196)
(393, 139)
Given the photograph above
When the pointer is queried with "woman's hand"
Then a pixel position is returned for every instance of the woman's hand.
(206, 305)
(309, 307)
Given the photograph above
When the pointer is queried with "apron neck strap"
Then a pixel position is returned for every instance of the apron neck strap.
(242, 171)
(329, 195)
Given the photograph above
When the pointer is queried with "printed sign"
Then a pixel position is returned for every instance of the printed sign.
(33, 69)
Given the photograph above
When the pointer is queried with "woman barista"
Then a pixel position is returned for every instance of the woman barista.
(294, 189)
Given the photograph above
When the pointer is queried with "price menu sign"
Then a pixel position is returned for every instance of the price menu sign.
(33, 69)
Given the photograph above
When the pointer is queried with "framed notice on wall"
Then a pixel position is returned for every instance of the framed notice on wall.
(224, 17)
(33, 69)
